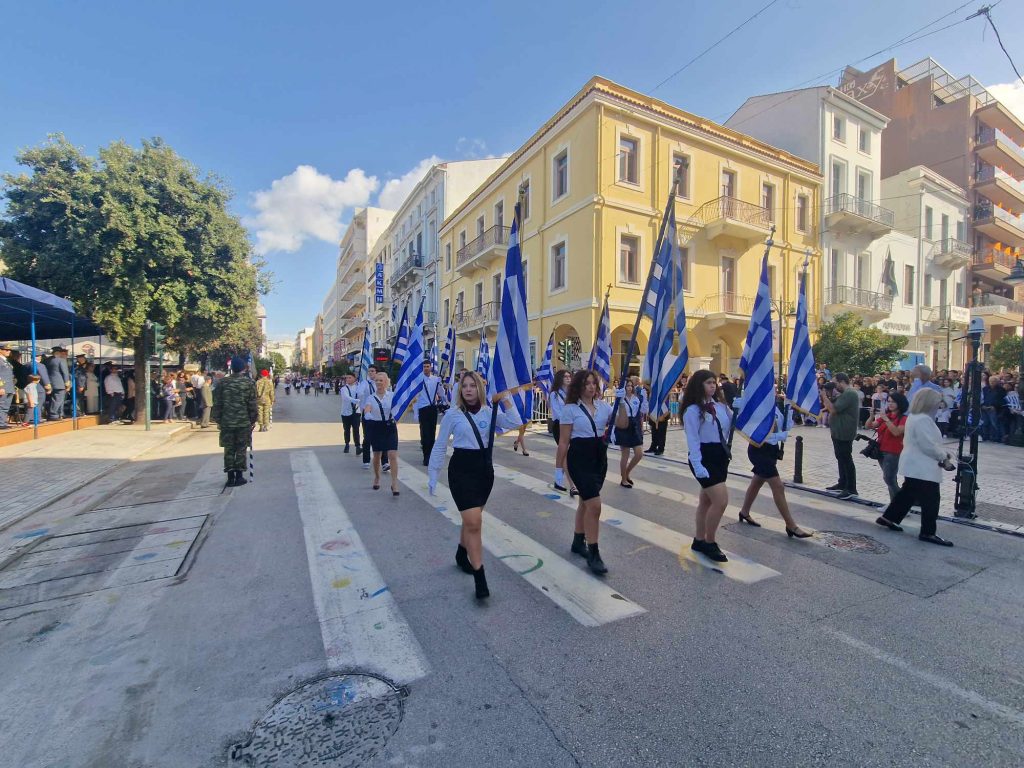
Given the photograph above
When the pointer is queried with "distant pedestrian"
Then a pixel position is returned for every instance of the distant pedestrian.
(235, 411)
(206, 397)
(350, 411)
(844, 413)
(629, 439)
(114, 391)
(6, 385)
(264, 400)
(890, 425)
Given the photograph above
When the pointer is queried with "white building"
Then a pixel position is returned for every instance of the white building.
(261, 318)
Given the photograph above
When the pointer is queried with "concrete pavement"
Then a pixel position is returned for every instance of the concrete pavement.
(861, 647)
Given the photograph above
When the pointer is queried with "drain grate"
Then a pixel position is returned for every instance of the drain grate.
(851, 542)
(334, 721)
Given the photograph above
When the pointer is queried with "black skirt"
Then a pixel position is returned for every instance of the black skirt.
(470, 477)
(715, 461)
(587, 463)
(554, 427)
(630, 436)
(765, 460)
(382, 435)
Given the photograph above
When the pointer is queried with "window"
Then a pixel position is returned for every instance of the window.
(629, 149)
(864, 141)
(419, 244)
(526, 199)
(729, 183)
(629, 259)
(681, 168)
(863, 272)
(768, 199)
(526, 281)
(863, 185)
(462, 239)
(838, 178)
(447, 257)
(496, 286)
(460, 303)
(480, 227)
(838, 128)
(959, 293)
(801, 213)
(684, 261)
(929, 220)
(447, 310)
(926, 298)
(944, 227)
(837, 268)
(908, 285)
(728, 275)
(499, 213)
(558, 266)
(478, 295)
(943, 293)
(960, 231)
(560, 174)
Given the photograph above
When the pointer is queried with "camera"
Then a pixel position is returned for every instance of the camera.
(829, 386)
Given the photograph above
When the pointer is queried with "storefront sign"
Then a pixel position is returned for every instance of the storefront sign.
(960, 315)
(896, 329)
(379, 283)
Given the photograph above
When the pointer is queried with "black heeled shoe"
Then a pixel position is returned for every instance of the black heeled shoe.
(480, 582)
(797, 534)
(462, 559)
(579, 544)
(594, 561)
(525, 453)
(933, 539)
(515, 446)
(712, 551)
(750, 521)
(889, 524)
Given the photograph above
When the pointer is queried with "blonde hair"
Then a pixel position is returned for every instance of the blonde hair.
(481, 389)
(925, 401)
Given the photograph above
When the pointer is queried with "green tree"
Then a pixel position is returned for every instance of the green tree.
(277, 360)
(134, 235)
(844, 344)
(1005, 353)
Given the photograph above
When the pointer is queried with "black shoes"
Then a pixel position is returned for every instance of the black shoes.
(836, 487)
(846, 494)
(594, 561)
(579, 544)
(481, 584)
(235, 478)
(933, 539)
(710, 550)
(750, 521)
(798, 534)
(885, 523)
(561, 488)
(462, 559)
(346, 449)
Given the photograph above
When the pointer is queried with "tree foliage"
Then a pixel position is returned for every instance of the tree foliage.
(844, 344)
(130, 236)
(1005, 353)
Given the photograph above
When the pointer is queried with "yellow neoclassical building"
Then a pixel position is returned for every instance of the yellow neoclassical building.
(597, 177)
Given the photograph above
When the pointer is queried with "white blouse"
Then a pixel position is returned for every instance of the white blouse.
(700, 428)
(633, 405)
(372, 411)
(456, 425)
(556, 402)
(349, 399)
(574, 414)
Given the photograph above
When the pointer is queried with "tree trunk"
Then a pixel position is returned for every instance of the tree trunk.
(141, 385)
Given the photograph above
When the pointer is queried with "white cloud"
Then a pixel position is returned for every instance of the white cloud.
(1012, 96)
(396, 190)
(306, 204)
(471, 149)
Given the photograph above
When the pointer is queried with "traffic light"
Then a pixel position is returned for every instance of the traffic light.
(159, 331)
(565, 352)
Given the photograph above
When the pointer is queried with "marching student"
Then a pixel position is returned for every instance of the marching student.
(706, 421)
(382, 431)
(426, 409)
(630, 438)
(582, 446)
(471, 470)
(363, 391)
(765, 460)
(556, 402)
(524, 402)
(350, 411)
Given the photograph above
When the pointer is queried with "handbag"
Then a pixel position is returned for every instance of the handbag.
(872, 450)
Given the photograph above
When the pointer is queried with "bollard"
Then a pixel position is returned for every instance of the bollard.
(798, 461)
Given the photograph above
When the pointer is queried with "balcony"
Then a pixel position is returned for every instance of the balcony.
(997, 310)
(998, 116)
(730, 217)
(849, 215)
(407, 269)
(951, 253)
(868, 305)
(999, 224)
(938, 319)
(1000, 187)
(348, 287)
(722, 309)
(479, 253)
(993, 264)
(478, 318)
(996, 148)
(352, 308)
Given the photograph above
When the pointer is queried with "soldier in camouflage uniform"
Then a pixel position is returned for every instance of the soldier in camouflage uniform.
(264, 399)
(235, 411)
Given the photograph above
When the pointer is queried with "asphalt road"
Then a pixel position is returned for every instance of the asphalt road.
(157, 627)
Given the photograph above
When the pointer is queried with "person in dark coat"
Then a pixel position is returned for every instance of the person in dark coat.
(235, 410)
(60, 382)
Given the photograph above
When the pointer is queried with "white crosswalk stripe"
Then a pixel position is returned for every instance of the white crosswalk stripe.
(587, 599)
(360, 622)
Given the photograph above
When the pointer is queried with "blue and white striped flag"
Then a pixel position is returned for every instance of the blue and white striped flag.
(662, 368)
(510, 369)
(402, 343)
(365, 357)
(802, 383)
(433, 356)
(483, 357)
(756, 418)
(546, 374)
(448, 355)
(601, 353)
(410, 376)
(394, 312)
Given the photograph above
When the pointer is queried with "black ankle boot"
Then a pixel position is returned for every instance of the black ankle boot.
(579, 544)
(481, 584)
(462, 560)
(240, 477)
(594, 561)
(231, 478)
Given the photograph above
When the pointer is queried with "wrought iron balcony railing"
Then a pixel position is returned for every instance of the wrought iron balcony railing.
(496, 235)
(726, 207)
(856, 297)
(477, 316)
(847, 203)
(412, 262)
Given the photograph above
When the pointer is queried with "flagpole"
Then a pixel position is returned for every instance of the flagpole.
(366, 331)
(597, 331)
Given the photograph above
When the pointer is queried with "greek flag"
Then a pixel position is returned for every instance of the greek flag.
(483, 357)
(433, 356)
(448, 356)
(365, 358)
(802, 384)
(394, 312)
(889, 274)
(757, 414)
(402, 343)
(510, 370)
(662, 368)
(410, 376)
(545, 374)
(601, 354)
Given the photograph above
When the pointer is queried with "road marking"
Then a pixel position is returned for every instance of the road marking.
(738, 568)
(587, 599)
(360, 622)
(1014, 716)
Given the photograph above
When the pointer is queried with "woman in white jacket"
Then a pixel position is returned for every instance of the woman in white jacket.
(921, 464)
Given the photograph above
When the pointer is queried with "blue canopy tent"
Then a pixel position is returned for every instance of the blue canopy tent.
(27, 312)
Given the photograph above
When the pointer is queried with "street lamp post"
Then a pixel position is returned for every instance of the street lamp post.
(1016, 277)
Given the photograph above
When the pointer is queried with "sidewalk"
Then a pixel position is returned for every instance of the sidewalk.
(40, 473)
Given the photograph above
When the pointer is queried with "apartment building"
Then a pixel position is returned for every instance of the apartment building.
(956, 127)
(353, 285)
(594, 181)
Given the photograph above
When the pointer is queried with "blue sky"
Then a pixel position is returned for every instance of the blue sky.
(307, 109)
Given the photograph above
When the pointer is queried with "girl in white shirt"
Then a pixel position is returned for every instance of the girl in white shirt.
(631, 438)
(583, 448)
(471, 470)
(556, 402)
(382, 431)
(706, 421)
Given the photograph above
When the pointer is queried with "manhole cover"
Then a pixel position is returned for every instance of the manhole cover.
(338, 720)
(851, 542)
